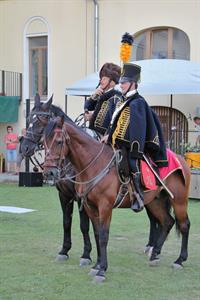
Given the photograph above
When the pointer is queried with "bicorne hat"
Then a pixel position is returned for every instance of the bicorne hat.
(130, 73)
(111, 71)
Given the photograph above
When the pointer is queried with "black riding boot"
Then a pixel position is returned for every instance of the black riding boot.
(138, 204)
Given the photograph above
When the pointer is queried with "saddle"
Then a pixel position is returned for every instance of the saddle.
(148, 180)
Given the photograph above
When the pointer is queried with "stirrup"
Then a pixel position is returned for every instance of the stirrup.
(138, 204)
(123, 191)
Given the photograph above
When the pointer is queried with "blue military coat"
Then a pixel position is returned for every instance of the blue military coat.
(103, 110)
(136, 127)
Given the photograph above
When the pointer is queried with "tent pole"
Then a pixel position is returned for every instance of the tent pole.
(171, 135)
(66, 104)
(27, 165)
(171, 101)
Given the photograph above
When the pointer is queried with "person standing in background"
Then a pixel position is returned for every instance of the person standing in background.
(197, 126)
(11, 141)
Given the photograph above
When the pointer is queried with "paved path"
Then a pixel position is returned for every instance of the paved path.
(9, 177)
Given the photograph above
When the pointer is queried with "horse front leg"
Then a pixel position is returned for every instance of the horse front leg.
(104, 226)
(101, 233)
(67, 209)
(103, 242)
(95, 269)
(93, 214)
(84, 226)
(100, 218)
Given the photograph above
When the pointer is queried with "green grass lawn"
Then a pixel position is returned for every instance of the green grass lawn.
(30, 242)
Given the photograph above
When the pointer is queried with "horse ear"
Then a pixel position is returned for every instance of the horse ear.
(37, 100)
(60, 121)
(46, 105)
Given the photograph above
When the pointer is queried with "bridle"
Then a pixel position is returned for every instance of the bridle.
(59, 157)
(34, 137)
(36, 117)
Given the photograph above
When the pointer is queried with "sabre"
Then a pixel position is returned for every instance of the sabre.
(157, 176)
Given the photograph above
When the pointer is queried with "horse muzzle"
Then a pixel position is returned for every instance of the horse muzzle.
(27, 149)
(50, 172)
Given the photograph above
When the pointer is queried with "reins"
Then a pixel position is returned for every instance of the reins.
(97, 177)
(89, 184)
(87, 167)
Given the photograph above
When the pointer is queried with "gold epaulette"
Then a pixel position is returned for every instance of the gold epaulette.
(122, 125)
(102, 114)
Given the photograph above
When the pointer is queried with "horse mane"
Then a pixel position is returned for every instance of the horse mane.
(58, 112)
(48, 130)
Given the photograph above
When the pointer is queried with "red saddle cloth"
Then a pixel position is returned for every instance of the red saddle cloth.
(148, 178)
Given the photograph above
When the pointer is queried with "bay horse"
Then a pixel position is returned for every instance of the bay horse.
(97, 183)
(37, 120)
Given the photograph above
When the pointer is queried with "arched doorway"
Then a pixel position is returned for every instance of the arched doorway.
(37, 67)
(175, 127)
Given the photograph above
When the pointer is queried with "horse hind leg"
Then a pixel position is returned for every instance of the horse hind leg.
(161, 213)
(153, 232)
(183, 228)
(164, 231)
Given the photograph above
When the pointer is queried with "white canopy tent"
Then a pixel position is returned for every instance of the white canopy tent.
(158, 77)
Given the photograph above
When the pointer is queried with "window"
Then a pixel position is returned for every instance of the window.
(161, 43)
(38, 65)
(175, 127)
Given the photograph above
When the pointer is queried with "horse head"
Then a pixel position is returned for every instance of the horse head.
(55, 141)
(37, 120)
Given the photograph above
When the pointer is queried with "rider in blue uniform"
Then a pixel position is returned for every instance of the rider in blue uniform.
(136, 128)
(101, 105)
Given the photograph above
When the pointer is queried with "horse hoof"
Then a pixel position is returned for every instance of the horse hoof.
(98, 279)
(148, 250)
(177, 266)
(62, 257)
(154, 263)
(85, 262)
(93, 272)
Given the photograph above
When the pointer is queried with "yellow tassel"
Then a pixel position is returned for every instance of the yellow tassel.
(125, 52)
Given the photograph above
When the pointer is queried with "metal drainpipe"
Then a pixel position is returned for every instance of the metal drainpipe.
(96, 35)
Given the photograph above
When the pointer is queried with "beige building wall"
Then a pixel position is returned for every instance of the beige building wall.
(70, 26)
(70, 33)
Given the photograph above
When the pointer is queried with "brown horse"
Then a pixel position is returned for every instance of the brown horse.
(97, 183)
(37, 121)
